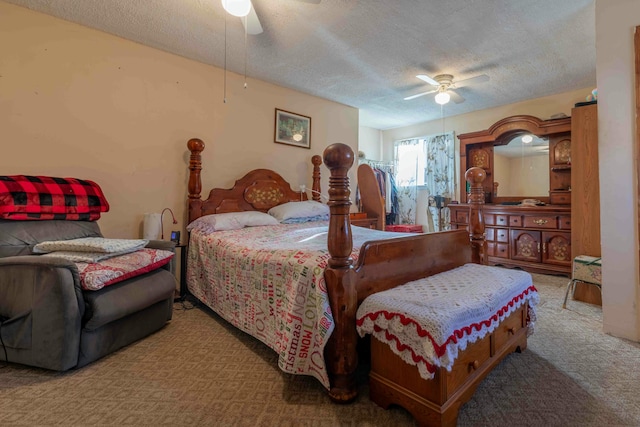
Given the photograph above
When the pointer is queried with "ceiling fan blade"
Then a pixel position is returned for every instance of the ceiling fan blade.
(472, 81)
(428, 79)
(252, 23)
(420, 94)
(455, 97)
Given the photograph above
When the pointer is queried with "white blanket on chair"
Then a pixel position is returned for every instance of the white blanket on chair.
(426, 322)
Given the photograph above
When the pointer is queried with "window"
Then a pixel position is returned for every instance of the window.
(410, 159)
(426, 161)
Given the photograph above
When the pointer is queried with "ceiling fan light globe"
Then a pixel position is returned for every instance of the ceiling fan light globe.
(527, 139)
(442, 98)
(237, 8)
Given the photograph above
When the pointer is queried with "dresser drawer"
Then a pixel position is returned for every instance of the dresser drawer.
(497, 234)
(468, 363)
(489, 234)
(515, 220)
(502, 235)
(499, 250)
(489, 219)
(540, 221)
(502, 250)
(564, 223)
(560, 198)
(508, 328)
(502, 220)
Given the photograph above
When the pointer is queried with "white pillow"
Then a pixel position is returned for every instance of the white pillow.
(231, 221)
(91, 244)
(307, 208)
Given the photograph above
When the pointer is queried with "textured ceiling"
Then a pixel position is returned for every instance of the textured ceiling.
(367, 53)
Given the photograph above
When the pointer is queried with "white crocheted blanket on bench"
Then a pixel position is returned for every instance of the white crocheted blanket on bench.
(428, 321)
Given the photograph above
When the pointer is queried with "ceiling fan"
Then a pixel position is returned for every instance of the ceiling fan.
(444, 86)
(244, 9)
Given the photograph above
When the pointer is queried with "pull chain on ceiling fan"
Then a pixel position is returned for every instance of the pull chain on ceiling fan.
(444, 85)
(245, 11)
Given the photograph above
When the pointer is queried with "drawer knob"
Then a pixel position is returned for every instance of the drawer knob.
(511, 330)
(540, 221)
(474, 365)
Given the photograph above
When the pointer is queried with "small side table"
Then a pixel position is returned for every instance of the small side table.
(586, 269)
(183, 270)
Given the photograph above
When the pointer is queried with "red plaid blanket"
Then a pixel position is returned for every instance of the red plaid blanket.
(44, 197)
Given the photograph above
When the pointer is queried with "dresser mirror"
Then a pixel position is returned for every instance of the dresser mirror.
(521, 167)
(540, 169)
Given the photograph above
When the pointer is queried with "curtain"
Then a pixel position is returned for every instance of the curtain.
(439, 176)
(406, 156)
(426, 162)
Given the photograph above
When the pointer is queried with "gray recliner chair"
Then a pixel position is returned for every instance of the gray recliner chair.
(47, 320)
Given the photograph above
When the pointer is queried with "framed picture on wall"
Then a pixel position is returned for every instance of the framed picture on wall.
(293, 129)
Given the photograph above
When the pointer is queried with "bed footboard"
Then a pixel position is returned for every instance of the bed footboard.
(382, 265)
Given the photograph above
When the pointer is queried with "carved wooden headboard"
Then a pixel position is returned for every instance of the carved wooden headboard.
(258, 190)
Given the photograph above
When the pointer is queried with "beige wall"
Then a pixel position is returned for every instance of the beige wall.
(78, 102)
(542, 108)
(615, 22)
(370, 142)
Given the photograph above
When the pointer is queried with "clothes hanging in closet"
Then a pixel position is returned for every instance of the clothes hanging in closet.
(386, 182)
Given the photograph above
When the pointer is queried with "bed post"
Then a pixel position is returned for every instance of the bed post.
(475, 176)
(340, 354)
(315, 193)
(195, 146)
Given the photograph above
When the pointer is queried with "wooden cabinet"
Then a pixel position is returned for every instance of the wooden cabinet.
(556, 248)
(585, 185)
(525, 245)
(560, 169)
(477, 149)
(585, 193)
(536, 239)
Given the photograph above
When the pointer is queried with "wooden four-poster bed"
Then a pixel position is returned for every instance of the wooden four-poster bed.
(381, 263)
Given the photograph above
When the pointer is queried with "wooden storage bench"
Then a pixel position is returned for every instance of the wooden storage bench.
(436, 401)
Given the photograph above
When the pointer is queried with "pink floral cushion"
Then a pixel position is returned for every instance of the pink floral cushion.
(95, 276)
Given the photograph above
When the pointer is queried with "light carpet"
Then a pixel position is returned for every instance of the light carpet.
(200, 371)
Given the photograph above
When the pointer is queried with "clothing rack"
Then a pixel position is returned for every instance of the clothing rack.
(379, 164)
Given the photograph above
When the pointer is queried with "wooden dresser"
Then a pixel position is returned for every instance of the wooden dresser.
(536, 239)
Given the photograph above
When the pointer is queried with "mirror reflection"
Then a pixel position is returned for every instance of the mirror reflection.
(522, 168)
